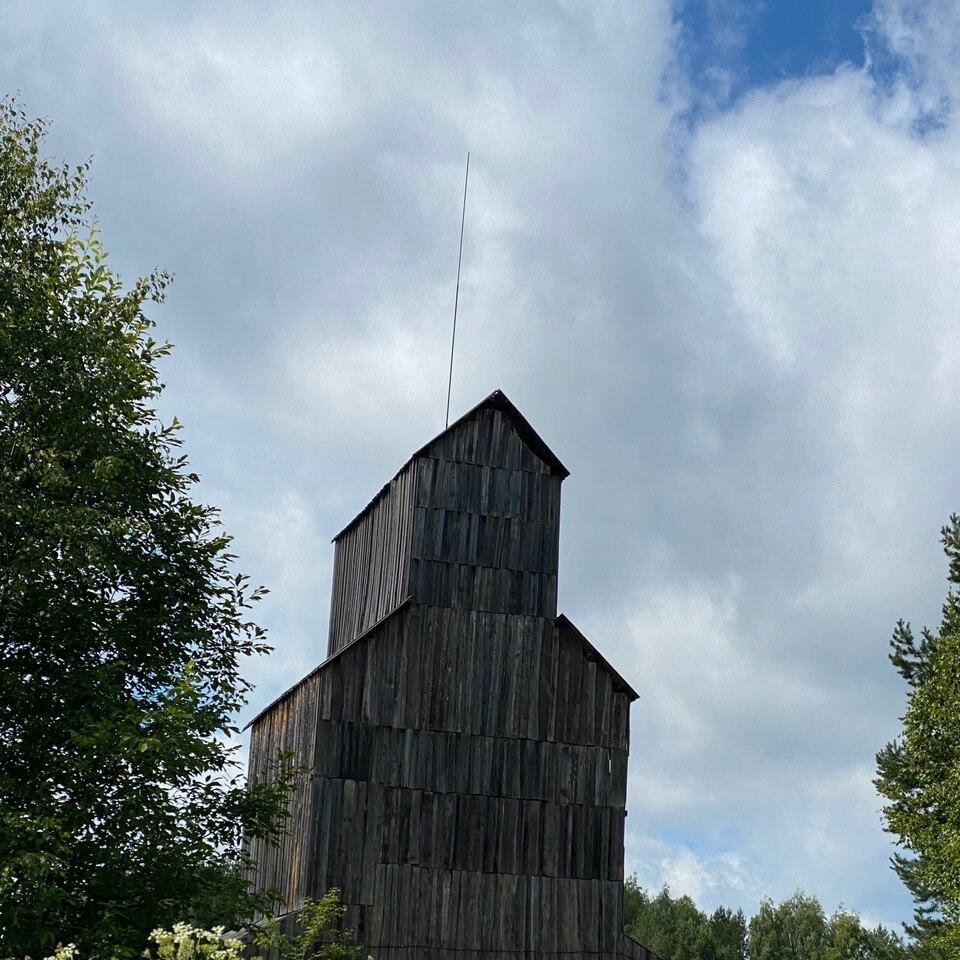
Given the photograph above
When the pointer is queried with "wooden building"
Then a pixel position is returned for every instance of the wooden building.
(469, 745)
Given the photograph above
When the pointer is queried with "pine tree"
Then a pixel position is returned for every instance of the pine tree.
(919, 773)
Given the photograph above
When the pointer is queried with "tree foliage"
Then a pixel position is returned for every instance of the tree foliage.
(677, 930)
(797, 929)
(318, 936)
(122, 622)
(919, 773)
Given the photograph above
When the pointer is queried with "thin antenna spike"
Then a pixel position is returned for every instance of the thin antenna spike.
(456, 297)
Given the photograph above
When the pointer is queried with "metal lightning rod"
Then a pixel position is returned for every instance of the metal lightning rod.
(456, 297)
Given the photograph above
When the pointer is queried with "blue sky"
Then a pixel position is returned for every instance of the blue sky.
(712, 252)
(767, 42)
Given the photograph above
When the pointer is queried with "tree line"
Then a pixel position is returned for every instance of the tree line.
(796, 929)
(124, 628)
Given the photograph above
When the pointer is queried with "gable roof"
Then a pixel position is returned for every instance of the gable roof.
(594, 654)
(359, 638)
(497, 400)
(561, 622)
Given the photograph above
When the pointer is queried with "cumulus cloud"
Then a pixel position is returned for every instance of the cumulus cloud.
(921, 41)
(737, 327)
(831, 211)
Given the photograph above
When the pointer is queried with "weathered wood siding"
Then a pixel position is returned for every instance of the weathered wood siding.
(445, 762)
(489, 438)
(369, 823)
(289, 726)
(469, 751)
(490, 675)
(499, 914)
(486, 533)
(456, 743)
(371, 562)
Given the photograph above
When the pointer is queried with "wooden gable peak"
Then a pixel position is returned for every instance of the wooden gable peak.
(497, 400)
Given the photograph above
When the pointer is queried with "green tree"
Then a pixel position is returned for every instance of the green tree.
(677, 930)
(122, 623)
(795, 930)
(918, 774)
(728, 930)
(668, 926)
(318, 933)
(850, 940)
(798, 929)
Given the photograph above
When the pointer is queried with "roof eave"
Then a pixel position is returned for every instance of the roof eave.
(564, 622)
(359, 638)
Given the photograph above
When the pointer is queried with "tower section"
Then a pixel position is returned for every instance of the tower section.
(468, 746)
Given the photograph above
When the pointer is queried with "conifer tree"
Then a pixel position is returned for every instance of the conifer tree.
(919, 773)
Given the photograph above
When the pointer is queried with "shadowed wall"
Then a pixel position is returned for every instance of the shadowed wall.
(469, 746)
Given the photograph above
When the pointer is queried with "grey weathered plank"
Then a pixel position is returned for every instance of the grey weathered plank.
(469, 752)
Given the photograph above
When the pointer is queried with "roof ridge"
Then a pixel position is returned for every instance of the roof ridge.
(498, 400)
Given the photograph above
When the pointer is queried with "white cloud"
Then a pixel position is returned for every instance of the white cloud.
(709, 880)
(741, 336)
(924, 40)
(248, 100)
(833, 220)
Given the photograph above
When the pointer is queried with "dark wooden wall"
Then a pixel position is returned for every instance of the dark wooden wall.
(472, 522)
(479, 673)
(371, 562)
(486, 533)
(469, 750)
(289, 725)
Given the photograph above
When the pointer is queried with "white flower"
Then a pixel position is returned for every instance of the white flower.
(65, 952)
